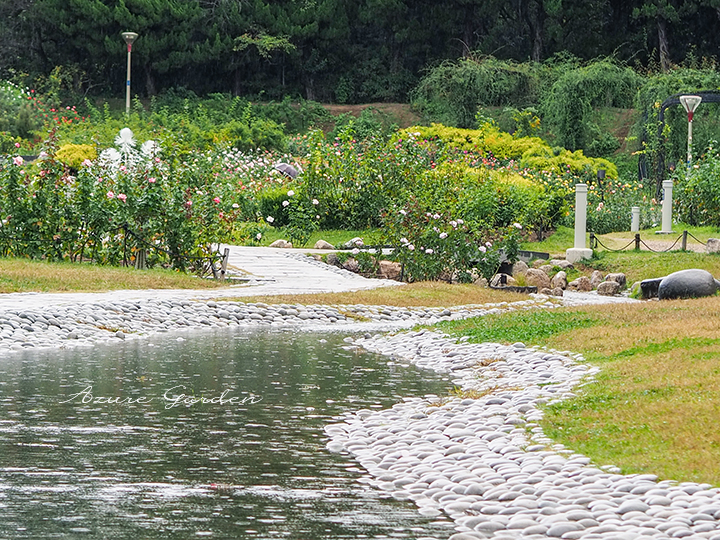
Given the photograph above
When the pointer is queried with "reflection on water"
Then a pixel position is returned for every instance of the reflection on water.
(152, 464)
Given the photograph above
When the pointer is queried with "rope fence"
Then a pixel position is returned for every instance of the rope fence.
(637, 242)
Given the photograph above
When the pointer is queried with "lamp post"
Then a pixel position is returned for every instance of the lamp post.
(129, 38)
(690, 103)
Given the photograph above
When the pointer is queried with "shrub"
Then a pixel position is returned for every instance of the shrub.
(73, 155)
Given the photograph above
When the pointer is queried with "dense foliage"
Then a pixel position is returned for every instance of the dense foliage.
(330, 50)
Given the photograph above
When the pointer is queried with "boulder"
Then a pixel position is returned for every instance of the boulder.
(333, 259)
(649, 287)
(596, 278)
(352, 265)
(281, 244)
(537, 263)
(390, 269)
(561, 263)
(538, 278)
(354, 242)
(322, 244)
(559, 280)
(481, 282)
(546, 291)
(519, 268)
(608, 288)
(497, 280)
(581, 284)
(691, 283)
(713, 245)
(548, 269)
(619, 278)
(557, 291)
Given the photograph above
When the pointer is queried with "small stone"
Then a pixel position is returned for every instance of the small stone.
(322, 244)
(618, 277)
(497, 280)
(608, 288)
(352, 265)
(581, 284)
(713, 245)
(596, 278)
(537, 278)
(557, 291)
(280, 243)
(120, 334)
(390, 269)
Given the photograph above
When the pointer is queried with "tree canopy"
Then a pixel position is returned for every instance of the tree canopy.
(334, 50)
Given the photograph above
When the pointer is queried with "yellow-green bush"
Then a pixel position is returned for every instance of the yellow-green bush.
(529, 152)
(73, 155)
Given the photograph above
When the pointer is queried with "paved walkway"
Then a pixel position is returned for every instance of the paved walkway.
(267, 271)
(264, 271)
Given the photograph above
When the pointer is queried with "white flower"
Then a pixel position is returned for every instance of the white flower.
(111, 157)
(125, 140)
(149, 149)
(429, 251)
(269, 219)
(436, 216)
(517, 226)
(355, 251)
(443, 235)
(483, 249)
(291, 193)
(488, 244)
(235, 205)
(286, 203)
(460, 221)
(315, 202)
(411, 247)
(258, 236)
(18, 160)
(453, 224)
(404, 240)
(403, 212)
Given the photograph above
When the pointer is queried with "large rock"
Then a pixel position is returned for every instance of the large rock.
(608, 288)
(519, 268)
(619, 278)
(548, 269)
(497, 280)
(322, 244)
(537, 278)
(281, 244)
(561, 263)
(351, 264)
(596, 278)
(354, 242)
(559, 280)
(390, 269)
(691, 283)
(333, 259)
(581, 284)
(713, 245)
(649, 287)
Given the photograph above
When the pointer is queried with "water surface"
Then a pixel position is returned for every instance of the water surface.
(156, 466)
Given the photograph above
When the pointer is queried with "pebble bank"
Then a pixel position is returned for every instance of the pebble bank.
(485, 462)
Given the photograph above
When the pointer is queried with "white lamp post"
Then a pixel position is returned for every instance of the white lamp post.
(129, 38)
(690, 103)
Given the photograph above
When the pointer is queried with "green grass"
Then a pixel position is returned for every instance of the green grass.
(24, 275)
(644, 265)
(531, 327)
(654, 406)
(556, 243)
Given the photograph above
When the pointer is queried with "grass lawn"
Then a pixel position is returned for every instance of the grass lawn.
(24, 275)
(655, 405)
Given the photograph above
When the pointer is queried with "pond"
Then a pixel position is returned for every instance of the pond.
(212, 434)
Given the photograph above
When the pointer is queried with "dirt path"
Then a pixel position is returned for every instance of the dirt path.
(653, 242)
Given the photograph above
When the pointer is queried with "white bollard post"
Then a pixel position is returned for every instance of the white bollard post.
(635, 222)
(667, 207)
(579, 251)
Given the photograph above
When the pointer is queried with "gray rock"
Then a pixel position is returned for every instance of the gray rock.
(557, 291)
(581, 284)
(713, 245)
(280, 243)
(519, 267)
(497, 279)
(608, 288)
(538, 278)
(596, 278)
(618, 277)
(561, 263)
(649, 287)
(691, 283)
(333, 259)
(559, 280)
(481, 282)
(352, 265)
(548, 269)
(322, 244)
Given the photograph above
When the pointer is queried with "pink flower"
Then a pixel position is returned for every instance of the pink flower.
(151, 180)
(17, 145)
(483, 249)
(87, 163)
(188, 204)
(110, 195)
(216, 200)
(122, 197)
(18, 160)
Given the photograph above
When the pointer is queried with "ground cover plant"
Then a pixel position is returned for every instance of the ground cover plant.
(657, 391)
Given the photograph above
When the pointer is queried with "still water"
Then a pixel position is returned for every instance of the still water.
(216, 434)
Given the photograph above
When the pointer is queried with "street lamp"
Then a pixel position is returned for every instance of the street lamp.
(690, 103)
(129, 38)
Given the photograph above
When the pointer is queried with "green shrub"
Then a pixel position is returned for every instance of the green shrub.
(73, 155)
